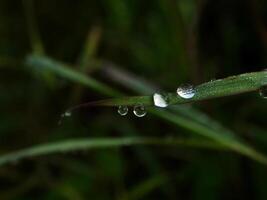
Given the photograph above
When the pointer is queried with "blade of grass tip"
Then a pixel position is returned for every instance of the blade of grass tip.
(65, 71)
(81, 144)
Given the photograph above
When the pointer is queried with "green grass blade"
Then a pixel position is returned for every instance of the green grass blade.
(81, 144)
(249, 82)
(219, 88)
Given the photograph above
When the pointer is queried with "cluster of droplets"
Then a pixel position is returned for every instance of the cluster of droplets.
(161, 100)
(139, 110)
(185, 91)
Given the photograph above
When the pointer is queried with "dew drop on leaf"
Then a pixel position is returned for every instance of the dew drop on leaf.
(123, 110)
(161, 100)
(139, 110)
(186, 91)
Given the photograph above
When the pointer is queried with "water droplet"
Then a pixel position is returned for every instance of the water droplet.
(139, 110)
(186, 91)
(263, 92)
(66, 114)
(123, 110)
(161, 100)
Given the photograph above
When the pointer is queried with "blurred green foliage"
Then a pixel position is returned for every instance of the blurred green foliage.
(161, 42)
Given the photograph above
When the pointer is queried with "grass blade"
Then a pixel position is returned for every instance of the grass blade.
(219, 88)
(81, 144)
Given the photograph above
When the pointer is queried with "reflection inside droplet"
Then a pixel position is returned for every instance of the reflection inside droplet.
(67, 114)
(139, 110)
(186, 91)
(161, 100)
(123, 110)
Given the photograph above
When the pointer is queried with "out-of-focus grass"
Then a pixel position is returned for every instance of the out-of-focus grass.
(84, 144)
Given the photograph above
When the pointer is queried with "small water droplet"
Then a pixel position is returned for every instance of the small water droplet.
(263, 92)
(186, 91)
(139, 110)
(66, 114)
(161, 100)
(123, 110)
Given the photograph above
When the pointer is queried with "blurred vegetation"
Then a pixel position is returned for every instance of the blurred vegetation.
(113, 47)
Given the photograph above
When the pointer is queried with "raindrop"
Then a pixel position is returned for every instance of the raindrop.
(123, 110)
(263, 92)
(161, 100)
(186, 91)
(139, 110)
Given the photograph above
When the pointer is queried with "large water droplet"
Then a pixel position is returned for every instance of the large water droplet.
(123, 110)
(139, 110)
(161, 100)
(186, 91)
(263, 92)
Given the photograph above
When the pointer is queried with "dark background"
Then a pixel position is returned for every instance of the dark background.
(161, 42)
